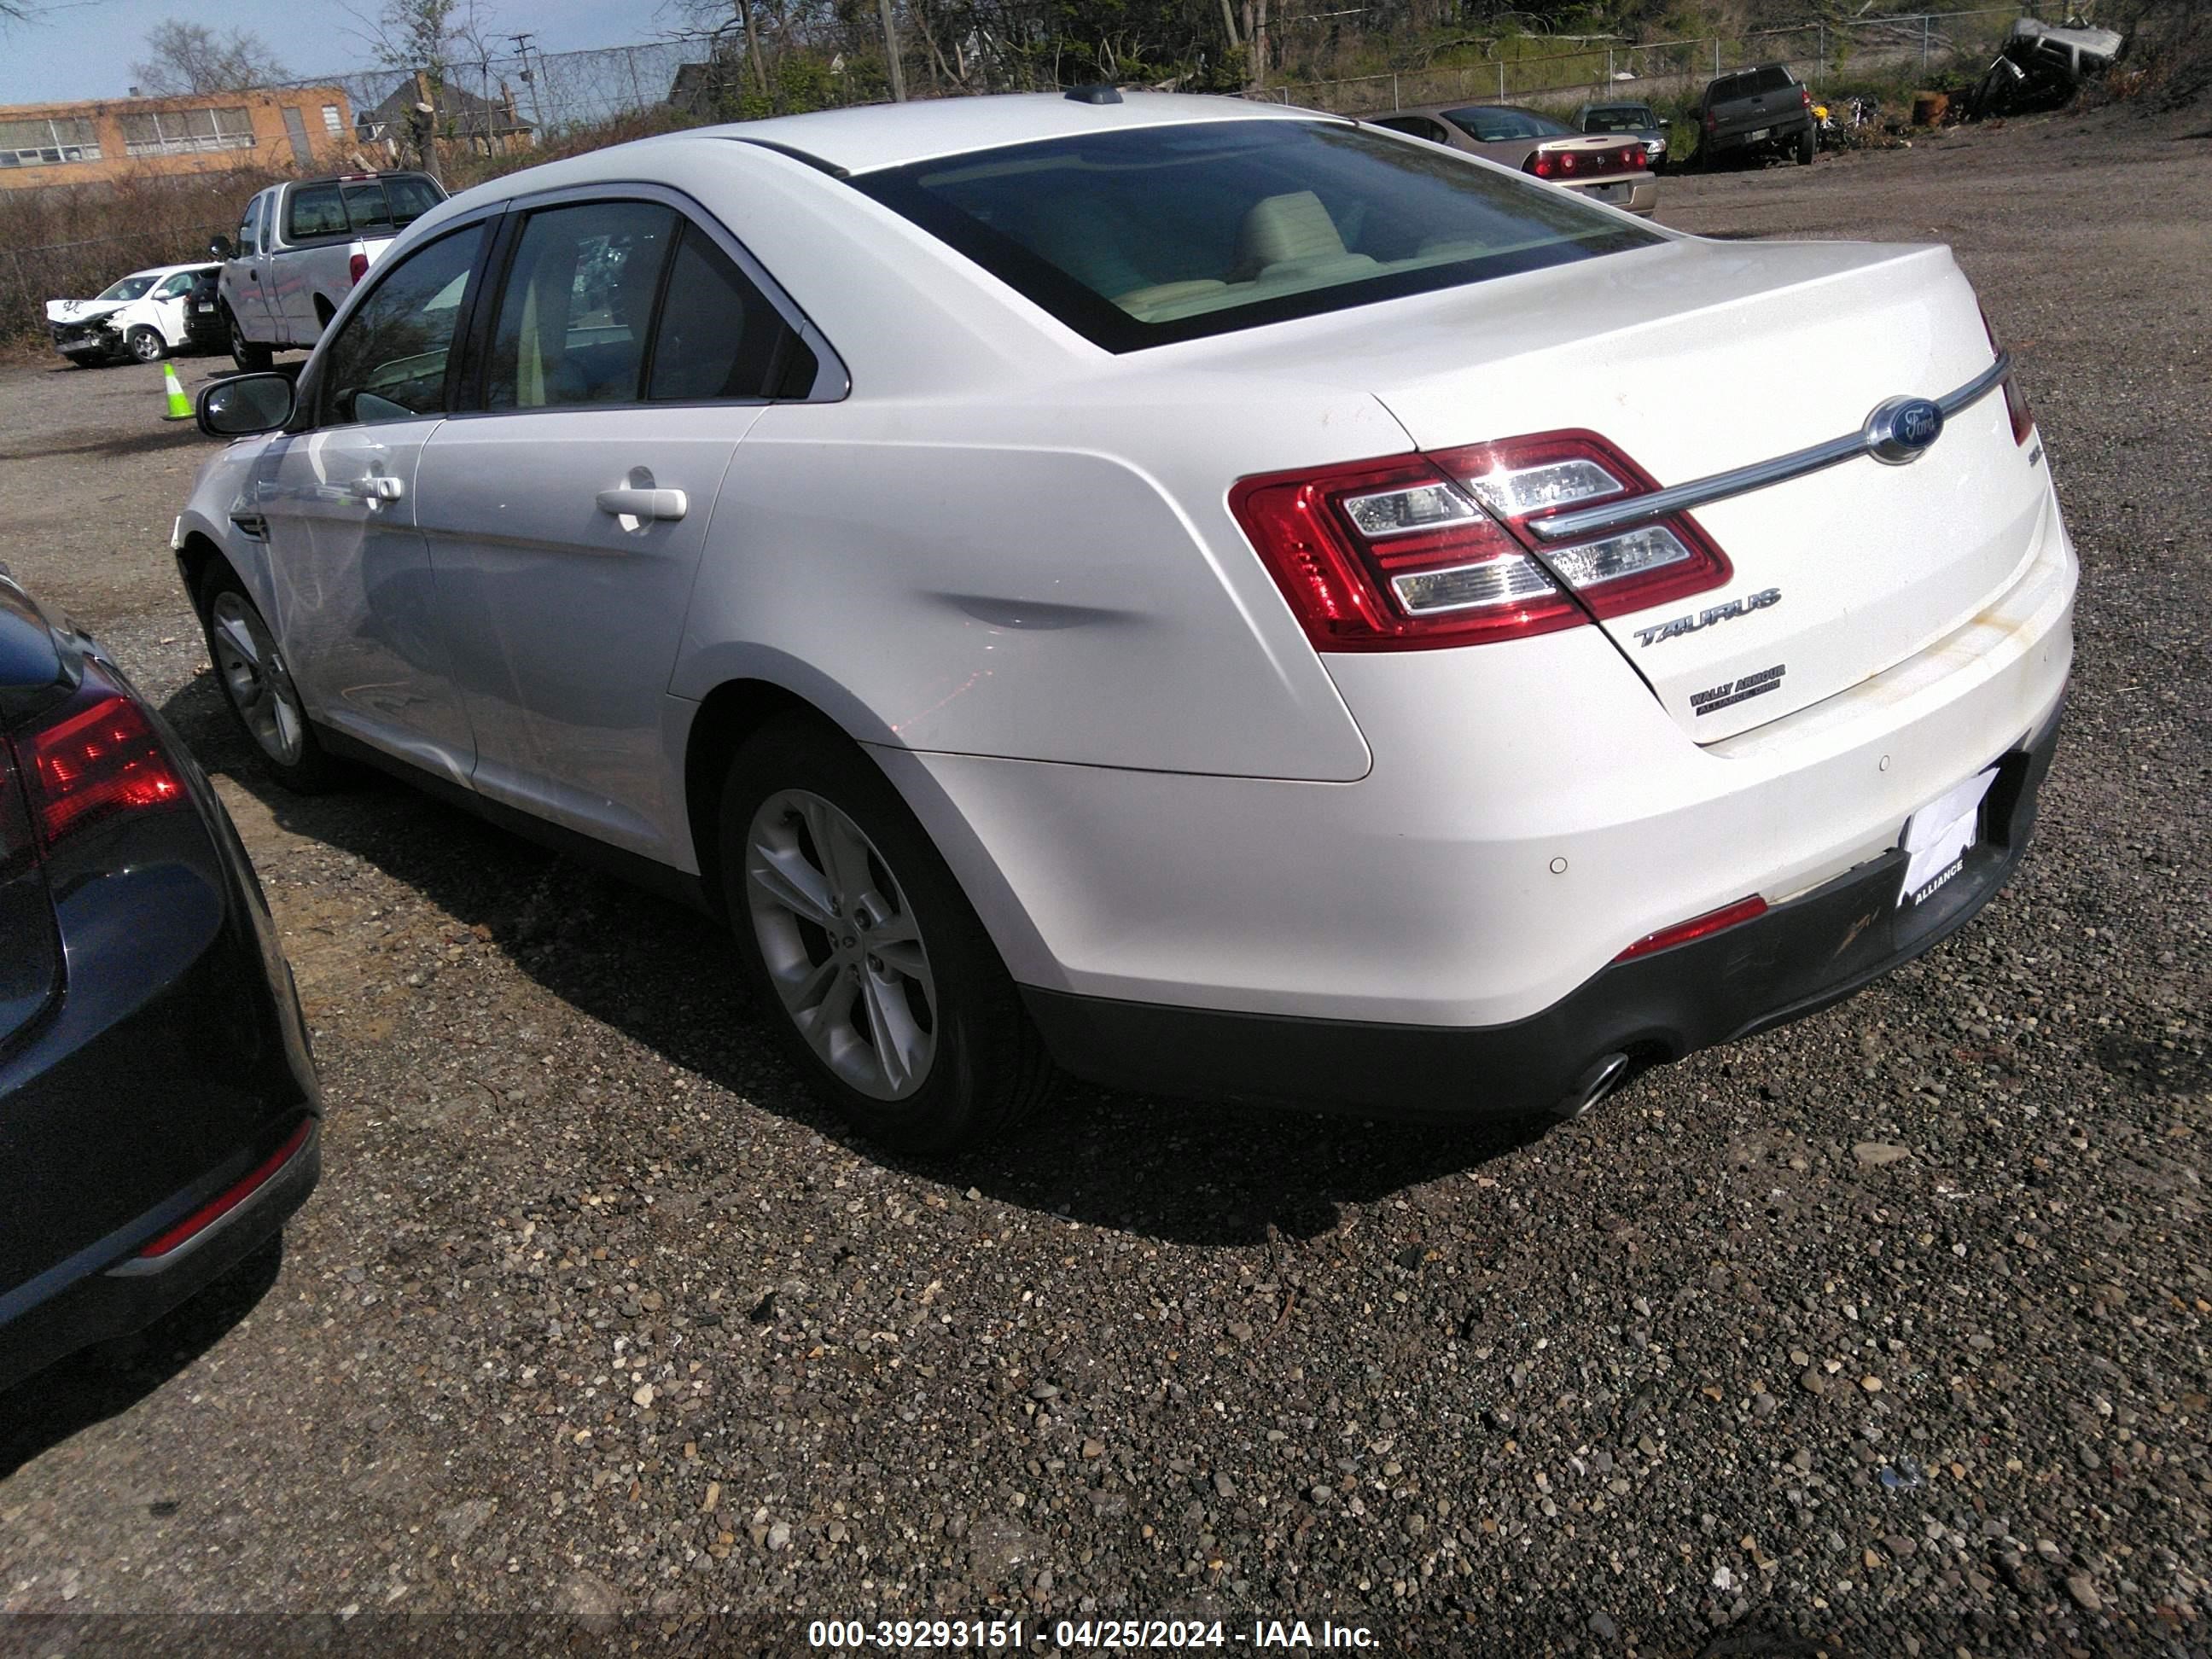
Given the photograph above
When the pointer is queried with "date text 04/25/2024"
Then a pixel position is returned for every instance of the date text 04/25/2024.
(1017, 1636)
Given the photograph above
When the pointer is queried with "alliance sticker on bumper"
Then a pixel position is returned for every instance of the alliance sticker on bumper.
(1731, 692)
(1938, 836)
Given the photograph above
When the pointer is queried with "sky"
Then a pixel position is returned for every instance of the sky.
(83, 48)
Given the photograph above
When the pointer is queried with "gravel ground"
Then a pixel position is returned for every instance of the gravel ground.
(1884, 1333)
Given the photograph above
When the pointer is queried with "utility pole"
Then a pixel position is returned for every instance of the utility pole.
(891, 52)
(522, 50)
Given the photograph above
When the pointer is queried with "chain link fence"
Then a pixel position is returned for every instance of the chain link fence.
(1520, 71)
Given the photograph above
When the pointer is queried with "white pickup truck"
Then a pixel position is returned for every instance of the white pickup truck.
(301, 247)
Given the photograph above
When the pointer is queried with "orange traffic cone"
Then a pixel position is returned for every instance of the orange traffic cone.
(181, 406)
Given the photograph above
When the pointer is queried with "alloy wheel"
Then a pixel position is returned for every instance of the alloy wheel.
(841, 944)
(147, 346)
(254, 677)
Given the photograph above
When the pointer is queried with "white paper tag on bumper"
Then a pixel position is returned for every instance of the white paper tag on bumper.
(1937, 837)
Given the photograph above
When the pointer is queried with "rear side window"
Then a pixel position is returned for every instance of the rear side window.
(1495, 125)
(577, 304)
(1418, 126)
(719, 335)
(1149, 235)
(316, 210)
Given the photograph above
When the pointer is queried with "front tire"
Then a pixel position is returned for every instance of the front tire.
(146, 345)
(252, 359)
(250, 667)
(880, 983)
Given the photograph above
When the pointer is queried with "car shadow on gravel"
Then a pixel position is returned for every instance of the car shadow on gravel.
(45, 1409)
(1204, 1172)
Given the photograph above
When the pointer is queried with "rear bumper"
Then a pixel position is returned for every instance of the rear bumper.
(1799, 957)
(107, 1290)
(1643, 197)
(174, 1061)
(1780, 131)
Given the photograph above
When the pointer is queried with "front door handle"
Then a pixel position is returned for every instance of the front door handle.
(631, 503)
(376, 488)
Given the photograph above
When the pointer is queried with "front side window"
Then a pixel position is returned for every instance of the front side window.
(1149, 235)
(249, 231)
(576, 305)
(176, 287)
(388, 362)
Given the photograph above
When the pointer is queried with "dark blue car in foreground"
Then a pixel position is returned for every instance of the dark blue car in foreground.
(159, 1116)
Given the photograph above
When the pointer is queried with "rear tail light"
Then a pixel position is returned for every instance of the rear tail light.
(2023, 418)
(1713, 922)
(1427, 551)
(230, 1198)
(358, 267)
(98, 758)
(1712, 121)
(1585, 163)
(1805, 96)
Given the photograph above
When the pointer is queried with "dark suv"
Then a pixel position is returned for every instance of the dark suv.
(1755, 112)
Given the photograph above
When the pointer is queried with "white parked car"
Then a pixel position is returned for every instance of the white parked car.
(1219, 597)
(147, 315)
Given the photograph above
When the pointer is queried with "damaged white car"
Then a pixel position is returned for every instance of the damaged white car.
(146, 316)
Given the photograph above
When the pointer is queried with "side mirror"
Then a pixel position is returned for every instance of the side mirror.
(220, 248)
(245, 405)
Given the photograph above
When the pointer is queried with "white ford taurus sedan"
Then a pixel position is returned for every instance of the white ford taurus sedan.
(1212, 598)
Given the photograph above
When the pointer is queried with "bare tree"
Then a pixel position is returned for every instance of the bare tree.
(192, 58)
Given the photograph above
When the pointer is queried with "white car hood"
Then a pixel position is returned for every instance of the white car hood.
(84, 311)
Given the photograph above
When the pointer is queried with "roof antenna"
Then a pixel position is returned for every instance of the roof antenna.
(1099, 94)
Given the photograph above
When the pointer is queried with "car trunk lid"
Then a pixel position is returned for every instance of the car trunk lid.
(1698, 358)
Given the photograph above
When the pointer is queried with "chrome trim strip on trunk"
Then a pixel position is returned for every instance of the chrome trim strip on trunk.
(1742, 480)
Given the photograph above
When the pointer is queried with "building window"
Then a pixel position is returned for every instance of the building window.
(331, 122)
(180, 131)
(47, 143)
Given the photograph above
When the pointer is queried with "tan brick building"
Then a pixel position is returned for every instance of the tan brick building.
(87, 143)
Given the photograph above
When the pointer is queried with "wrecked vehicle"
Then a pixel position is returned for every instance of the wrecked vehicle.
(146, 316)
(2040, 65)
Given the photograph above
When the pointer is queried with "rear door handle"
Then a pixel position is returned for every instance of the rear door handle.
(628, 503)
(376, 488)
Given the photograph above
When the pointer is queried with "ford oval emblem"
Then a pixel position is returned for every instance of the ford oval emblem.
(1902, 429)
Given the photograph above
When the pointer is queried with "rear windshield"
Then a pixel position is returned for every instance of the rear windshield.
(361, 207)
(1143, 237)
(1496, 124)
(1772, 78)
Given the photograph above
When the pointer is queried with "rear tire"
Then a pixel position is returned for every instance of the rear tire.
(880, 983)
(146, 344)
(1807, 147)
(252, 359)
(250, 667)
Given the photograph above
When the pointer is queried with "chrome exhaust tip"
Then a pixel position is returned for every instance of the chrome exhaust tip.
(1603, 1078)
